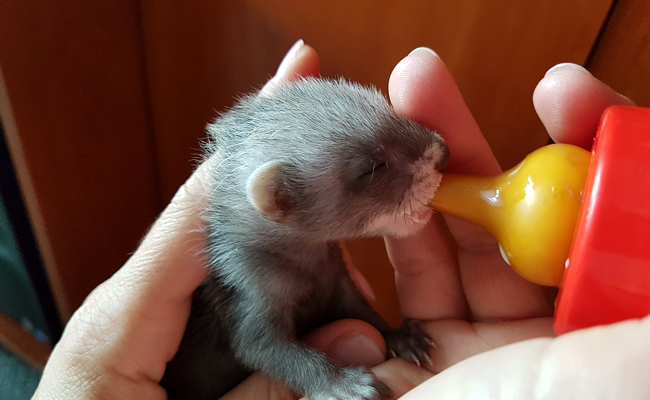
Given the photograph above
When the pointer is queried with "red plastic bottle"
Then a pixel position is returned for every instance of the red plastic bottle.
(608, 271)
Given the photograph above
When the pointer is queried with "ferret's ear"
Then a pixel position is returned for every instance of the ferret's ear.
(266, 191)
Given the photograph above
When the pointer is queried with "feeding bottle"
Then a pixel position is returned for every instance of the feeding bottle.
(572, 218)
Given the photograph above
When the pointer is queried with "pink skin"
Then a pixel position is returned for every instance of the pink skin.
(117, 343)
(569, 101)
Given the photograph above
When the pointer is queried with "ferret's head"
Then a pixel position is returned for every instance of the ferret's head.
(354, 169)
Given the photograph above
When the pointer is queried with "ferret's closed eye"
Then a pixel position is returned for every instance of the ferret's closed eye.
(374, 169)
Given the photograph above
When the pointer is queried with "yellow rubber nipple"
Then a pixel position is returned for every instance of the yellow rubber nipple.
(531, 209)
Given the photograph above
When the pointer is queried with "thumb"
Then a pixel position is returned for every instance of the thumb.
(346, 342)
(349, 342)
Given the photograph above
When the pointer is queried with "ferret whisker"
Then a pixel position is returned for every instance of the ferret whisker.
(374, 165)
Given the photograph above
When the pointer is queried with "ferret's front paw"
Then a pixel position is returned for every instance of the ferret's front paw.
(409, 342)
(354, 384)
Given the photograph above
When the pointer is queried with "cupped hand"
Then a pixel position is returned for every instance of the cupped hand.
(116, 345)
(452, 276)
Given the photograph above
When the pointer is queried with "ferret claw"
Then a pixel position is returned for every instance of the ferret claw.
(416, 360)
(427, 358)
(410, 343)
(430, 342)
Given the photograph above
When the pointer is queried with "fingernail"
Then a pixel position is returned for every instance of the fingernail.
(291, 54)
(423, 50)
(565, 66)
(355, 349)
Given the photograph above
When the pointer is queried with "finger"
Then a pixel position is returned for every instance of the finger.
(141, 311)
(350, 342)
(170, 261)
(427, 279)
(570, 101)
(597, 363)
(300, 61)
(422, 88)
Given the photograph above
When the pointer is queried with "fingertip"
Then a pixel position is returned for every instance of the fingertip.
(566, 66)
(289, 57)
(417, 65)
(350, 343)
(301, 61)
(570, 101)
(422, 88)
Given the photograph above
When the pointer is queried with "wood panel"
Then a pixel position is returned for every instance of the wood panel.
(202, 54)
(76, 82)
(622, 57)
(75, 108)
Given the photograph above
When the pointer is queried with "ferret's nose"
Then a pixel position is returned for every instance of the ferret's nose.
(444, 160)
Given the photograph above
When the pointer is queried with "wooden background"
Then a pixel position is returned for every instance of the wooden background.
(104, 102)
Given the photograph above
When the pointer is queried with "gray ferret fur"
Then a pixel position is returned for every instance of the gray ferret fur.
(317, 162)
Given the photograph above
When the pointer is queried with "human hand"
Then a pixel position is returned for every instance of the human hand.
(470, 300)
(117, 344)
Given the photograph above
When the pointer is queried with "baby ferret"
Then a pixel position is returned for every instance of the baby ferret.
(317, 162)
